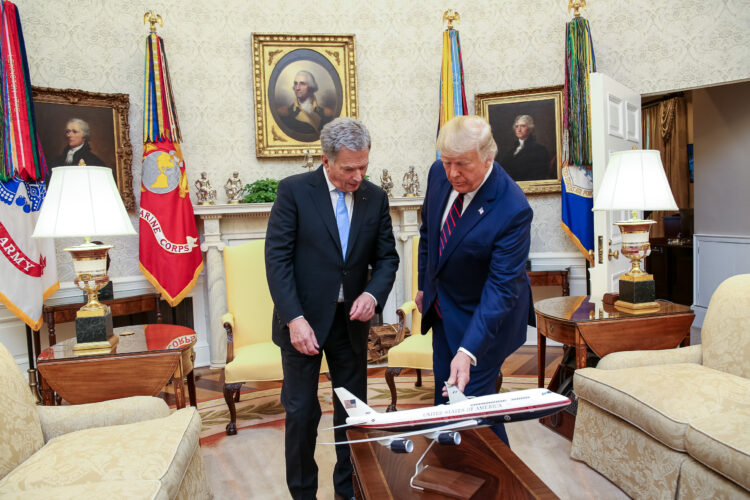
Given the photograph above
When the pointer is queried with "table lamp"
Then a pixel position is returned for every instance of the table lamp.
(83, 201)
(635, 180)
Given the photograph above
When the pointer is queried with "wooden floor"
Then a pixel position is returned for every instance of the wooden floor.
(523, 362)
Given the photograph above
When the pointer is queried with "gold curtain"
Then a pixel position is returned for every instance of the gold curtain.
(665, 129)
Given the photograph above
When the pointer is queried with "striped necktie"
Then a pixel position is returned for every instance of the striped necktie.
(451, 220)
(450, 223)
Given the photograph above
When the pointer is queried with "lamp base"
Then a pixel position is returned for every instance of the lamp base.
(94, 329)
(90, 348)
(637, 294)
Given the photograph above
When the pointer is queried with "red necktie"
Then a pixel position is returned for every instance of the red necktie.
(450, 223)
(451, 220)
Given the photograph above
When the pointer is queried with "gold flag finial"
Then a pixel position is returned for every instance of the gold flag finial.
(152, 18)
(575, 5)
(451, 16)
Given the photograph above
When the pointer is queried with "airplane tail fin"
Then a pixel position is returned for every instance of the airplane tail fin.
(352, 404)
(454, 395)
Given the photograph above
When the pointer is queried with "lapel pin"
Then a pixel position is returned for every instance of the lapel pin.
(481, 210)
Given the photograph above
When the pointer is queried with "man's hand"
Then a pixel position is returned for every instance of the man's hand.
(302, 336)
(459, 376)
(418, 300)
(363, 308)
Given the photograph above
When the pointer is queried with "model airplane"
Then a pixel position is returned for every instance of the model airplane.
(441, 423)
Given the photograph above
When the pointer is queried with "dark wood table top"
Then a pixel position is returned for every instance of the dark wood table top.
(382, 473)
(144, 339)
(582, 309)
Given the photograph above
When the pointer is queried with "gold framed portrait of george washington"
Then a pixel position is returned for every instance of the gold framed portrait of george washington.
(76, 126)
(301, 82)
(527, 127)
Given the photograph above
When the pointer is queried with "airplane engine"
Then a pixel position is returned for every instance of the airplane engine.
(401, 446)
(449, 438)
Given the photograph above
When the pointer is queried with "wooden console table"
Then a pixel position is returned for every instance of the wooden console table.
(381, 473)
(140, 363)
(584, 326)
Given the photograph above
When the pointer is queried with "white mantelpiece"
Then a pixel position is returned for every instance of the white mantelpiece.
(221, 225)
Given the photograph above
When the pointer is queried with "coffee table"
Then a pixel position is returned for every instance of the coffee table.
(380, 473)
(140, 363)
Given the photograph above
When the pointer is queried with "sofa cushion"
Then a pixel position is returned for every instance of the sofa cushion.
(662, 400)
(121, 490)
(725, 334)
(722, 443)
(20, 430)
(153, 450)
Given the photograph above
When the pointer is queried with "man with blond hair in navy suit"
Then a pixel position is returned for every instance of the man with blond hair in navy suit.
(474, 242)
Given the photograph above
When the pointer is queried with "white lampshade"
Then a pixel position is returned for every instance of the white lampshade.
(82, 201)
(635, 180)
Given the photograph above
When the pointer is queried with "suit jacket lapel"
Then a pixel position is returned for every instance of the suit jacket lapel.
(358, 217)
(479, 208)
(321, 198)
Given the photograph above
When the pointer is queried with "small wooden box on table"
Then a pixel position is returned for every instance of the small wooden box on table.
(584, 325)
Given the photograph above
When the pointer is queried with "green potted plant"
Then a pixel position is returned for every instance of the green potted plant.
(261, 191)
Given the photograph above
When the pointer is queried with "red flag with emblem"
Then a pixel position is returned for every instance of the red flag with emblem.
(27, 266)
(169, 255)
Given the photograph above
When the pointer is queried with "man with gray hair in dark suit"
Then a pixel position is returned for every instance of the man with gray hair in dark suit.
(326, 229)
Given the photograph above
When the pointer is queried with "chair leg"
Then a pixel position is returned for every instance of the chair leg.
(191, 389)
(389, 374)
(229, 396)
(499, 382)
(418, 383)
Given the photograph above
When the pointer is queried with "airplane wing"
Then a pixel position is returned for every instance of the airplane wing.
(464, 424)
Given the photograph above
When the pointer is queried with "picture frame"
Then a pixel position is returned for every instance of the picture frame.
(108, 139)
(536, 166)
(283, 127)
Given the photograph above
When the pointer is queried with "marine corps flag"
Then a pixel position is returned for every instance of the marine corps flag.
(27, 266)
(169, 255)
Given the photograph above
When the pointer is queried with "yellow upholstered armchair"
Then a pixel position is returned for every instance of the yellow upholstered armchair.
(251, 354)
(124, 448)
(414, 351)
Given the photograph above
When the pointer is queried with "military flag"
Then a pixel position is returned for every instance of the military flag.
(169, 255)
(577, 181)
(452, 92)
(28, 274)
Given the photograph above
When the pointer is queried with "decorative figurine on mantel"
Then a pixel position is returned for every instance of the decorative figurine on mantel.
(205, 193)
(309, 160)
(235, 190)
(411, 183)
(386, 183)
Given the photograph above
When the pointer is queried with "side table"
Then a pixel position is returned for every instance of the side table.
(139, 363)
(581, 324)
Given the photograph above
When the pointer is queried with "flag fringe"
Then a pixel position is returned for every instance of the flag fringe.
(33, 324)
(172, 301)
(577, 243)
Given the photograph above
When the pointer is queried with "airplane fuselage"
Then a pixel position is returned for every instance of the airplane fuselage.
(487, 410)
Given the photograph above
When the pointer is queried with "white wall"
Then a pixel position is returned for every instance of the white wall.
(722, 179)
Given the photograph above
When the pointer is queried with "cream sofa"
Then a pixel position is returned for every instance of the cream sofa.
(126, 448)
(674, 423)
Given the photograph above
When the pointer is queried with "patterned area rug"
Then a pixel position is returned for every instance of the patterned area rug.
(263, 407)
